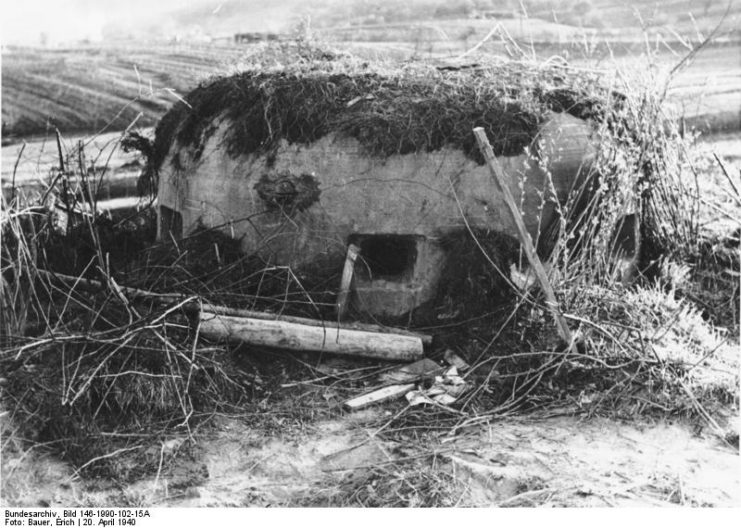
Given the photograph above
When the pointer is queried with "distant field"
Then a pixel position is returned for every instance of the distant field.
(87, 89)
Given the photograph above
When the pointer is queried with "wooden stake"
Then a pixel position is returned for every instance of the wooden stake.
(347, 274)
(527, 243)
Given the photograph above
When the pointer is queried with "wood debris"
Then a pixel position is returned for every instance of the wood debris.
(392, 392)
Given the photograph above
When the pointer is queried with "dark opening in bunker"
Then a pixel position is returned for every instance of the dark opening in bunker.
(171, 221)
(390, 257)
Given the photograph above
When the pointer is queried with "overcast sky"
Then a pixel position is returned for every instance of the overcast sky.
(23, 21)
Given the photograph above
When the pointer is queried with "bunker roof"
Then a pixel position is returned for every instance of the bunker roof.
(408, 109)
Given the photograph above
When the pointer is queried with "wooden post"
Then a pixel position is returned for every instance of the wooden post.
(525, 240)
(347, 274)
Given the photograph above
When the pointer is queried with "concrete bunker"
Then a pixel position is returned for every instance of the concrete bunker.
(298, 165)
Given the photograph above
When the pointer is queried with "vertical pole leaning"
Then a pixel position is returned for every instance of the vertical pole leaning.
(524, 236)
(347, 274)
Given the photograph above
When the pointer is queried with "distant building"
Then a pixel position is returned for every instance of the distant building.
(495, 13)
(241, 38)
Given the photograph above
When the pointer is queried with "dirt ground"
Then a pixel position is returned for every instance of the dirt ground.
(548, 461)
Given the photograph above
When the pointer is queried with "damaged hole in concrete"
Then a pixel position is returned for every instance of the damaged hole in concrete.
(288, 192)
(390, 257)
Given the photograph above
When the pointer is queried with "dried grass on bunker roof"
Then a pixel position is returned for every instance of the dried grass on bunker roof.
(415, 108)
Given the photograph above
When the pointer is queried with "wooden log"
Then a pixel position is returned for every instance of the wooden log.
(527, 243)
(329, 326)
(347, 274)
(392, 392)
(296, 336)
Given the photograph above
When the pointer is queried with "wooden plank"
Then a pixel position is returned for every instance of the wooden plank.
(295, 336)
(347, 274)
(527, 243)
(392, 392)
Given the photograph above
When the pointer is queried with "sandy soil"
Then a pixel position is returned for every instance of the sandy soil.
(561, 461)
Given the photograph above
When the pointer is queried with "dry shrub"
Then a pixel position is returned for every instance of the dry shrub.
(18, 254)
(102, 380)
(96, 377)
(87, 373)
(642, 167)
(644, 349)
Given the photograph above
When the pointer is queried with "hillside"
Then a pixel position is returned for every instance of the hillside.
(88, 88)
